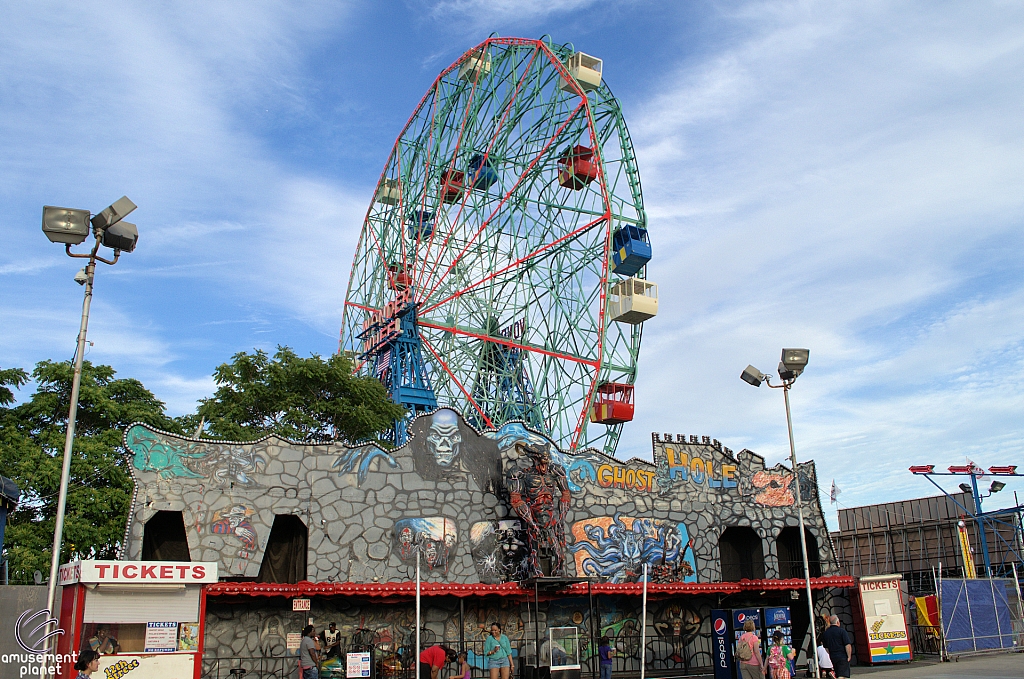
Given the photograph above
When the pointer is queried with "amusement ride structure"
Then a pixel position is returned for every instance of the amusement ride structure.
(500, 269)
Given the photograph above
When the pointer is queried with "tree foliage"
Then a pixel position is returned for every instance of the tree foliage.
(31, 452)
(302, 399)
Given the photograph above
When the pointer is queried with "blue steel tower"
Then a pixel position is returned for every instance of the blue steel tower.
(395, 355)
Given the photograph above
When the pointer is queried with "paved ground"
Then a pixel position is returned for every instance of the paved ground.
(1002, 666)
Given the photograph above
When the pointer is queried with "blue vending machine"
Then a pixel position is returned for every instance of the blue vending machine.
(722, 644)
(778, 619)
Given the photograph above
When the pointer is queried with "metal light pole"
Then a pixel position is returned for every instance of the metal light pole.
(813, 655)
(70, 227)
(793, 363)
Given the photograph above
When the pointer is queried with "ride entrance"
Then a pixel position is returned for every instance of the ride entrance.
(500, 270)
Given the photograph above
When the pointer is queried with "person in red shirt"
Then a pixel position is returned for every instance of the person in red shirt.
(433, 659)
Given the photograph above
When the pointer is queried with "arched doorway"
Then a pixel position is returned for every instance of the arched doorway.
(740, 554)
(164, 538)
(791, 560)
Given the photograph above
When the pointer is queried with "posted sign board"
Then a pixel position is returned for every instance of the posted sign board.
(357, 665)
(884, 621)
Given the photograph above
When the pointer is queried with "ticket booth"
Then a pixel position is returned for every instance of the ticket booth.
(144, 617)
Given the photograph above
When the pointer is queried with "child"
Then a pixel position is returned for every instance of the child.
(464, 669)
(825, 663)
(779, 656)
(605, 653)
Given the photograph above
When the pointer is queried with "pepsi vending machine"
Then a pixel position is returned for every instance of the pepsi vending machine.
(721, 644)
(739, 618)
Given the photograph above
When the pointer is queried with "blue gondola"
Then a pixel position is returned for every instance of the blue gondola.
(482, 174)
(632, 250)
(421, 224)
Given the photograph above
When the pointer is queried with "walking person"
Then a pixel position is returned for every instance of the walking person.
(840, 649)
(498, 651)
(748, 652)
(88, 662)
(309, 656)
(779, 656)
(605, 653)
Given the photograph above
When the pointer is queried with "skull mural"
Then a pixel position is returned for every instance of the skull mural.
(443, 437)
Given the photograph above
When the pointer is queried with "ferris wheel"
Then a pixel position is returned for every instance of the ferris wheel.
(500, 266)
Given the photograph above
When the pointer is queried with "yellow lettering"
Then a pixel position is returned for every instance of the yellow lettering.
(604, 475)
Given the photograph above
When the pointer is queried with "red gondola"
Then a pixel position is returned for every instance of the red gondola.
(576, 168)
(453, 183)
(613, 404)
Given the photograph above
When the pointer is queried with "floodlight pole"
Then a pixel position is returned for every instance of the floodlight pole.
(69, 438)
(812, 656)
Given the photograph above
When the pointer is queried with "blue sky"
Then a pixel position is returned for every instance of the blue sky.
(847, 177)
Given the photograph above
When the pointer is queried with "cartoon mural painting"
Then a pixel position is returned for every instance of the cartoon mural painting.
(499, 551)
(435, 536)
(444, 447)
(540, 496)
(234, 520)
(221, 463)
(615, 549)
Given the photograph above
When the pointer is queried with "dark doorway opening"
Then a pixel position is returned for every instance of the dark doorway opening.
(164, 538)
(791, 559)
(741, 554)
(284, 559)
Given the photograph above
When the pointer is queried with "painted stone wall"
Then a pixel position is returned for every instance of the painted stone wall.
(480, 507)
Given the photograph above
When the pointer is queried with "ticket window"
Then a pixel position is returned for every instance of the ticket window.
(143, 617)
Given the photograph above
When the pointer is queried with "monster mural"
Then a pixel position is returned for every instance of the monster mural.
(616, 548)
(540, 496)
(434, 537)
(499, 551)
(444, 447)
(234, 520)
(222, 463)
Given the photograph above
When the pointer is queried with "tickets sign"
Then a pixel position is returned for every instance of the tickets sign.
(137, 572)
(884, 619)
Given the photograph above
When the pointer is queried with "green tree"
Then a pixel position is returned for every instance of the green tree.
(302, 399)
(31, 451)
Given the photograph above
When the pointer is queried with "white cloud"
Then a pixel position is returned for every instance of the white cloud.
(826, 184)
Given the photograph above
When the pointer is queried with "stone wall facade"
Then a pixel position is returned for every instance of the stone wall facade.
(368, 511)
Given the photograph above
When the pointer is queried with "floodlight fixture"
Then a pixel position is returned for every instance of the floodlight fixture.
(752, 376)
(114, 213)
(996, 487)
(65, 225)
(795, 360)
(966, 487)
(121, 236)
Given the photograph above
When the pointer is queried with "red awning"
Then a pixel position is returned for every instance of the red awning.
(408, 589)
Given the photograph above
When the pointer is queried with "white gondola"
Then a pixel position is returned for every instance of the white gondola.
(475, 65)
(633, 301)
(585, 69)
(389, 192)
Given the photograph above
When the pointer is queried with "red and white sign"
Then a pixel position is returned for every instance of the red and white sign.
(300, 604)
(138, 572)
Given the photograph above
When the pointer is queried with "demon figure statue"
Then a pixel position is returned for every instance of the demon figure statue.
(540, 496)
